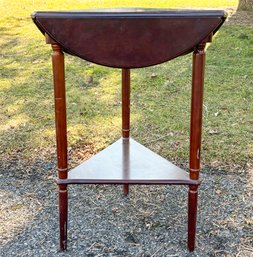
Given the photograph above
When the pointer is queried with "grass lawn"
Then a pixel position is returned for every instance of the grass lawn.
(160, 95)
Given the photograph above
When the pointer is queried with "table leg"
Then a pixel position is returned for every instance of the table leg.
(195, 138)
(192, 216)
(63, 215)
(61, 138)
(125, 111)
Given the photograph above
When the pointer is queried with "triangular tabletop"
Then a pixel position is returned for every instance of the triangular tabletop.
(127, 161)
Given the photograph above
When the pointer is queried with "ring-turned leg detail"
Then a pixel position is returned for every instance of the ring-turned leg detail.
(195, 137)
(61, 137)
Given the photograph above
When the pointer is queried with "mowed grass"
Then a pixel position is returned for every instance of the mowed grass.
(160, 99)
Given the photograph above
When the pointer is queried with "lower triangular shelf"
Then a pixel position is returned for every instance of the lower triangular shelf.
(127, 161)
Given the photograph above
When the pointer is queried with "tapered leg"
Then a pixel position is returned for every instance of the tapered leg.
(61, 138)
(192, 216)
(195, 138)
(125, 111)
(63, 213)
(126, 189)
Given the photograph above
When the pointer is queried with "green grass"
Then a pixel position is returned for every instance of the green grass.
(160, 103)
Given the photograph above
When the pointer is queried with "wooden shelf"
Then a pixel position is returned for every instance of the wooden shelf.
(127, 162)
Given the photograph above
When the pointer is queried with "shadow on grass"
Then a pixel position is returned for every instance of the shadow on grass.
(93, 97)
(28, 94)
(160, 100)
(27, 129)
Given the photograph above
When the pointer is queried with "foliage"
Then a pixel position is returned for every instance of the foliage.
(245, 5)
(160, 95)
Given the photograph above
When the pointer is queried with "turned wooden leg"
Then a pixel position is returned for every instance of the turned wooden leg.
(61, 137)
(125, 111)
(192, 216)
(195, 138)
(63, 213)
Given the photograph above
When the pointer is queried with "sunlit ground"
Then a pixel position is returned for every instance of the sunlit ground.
(160, 97)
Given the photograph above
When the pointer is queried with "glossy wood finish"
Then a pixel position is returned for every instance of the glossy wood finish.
(192, 216)
(195, 137)
(125, 111)
(125, 103)
(61, 136)
(127, 161)
(129, 38)
(196, 109)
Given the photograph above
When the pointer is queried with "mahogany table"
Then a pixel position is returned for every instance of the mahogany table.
(126, 39)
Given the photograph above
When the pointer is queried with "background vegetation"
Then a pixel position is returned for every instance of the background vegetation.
(160, 95)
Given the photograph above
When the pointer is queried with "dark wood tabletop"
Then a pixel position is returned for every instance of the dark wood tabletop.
(129, 38)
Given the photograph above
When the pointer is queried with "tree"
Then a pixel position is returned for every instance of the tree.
(245, 5)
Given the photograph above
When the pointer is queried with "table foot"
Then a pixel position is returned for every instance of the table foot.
(63, 212)
(192, 216)
(126, 189)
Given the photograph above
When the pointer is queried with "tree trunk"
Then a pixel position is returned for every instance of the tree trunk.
(245, 5)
